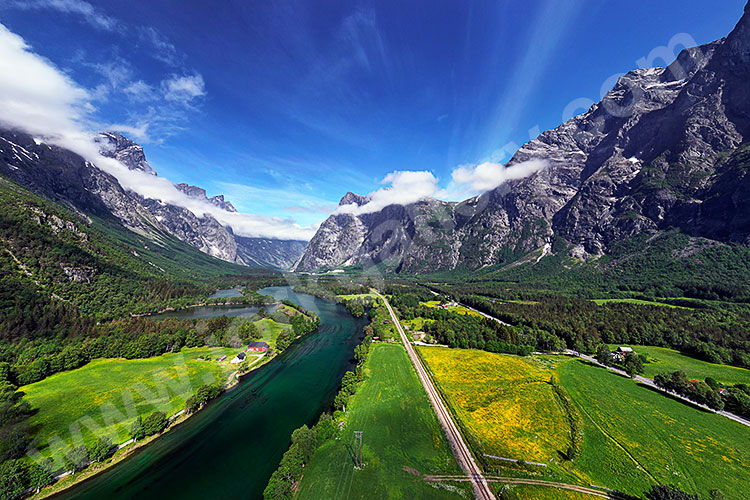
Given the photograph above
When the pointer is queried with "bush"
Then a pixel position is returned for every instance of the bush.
(101, 449)
(77, 458)
(203, 395)
(136, 430)
(155, 423)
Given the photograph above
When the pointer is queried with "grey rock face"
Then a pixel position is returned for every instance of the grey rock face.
(200, 194)
(666, 147)
(65, 177)
(267, 252)
(130, 154)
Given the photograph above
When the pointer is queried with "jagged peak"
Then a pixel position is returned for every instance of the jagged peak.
(353, 198)
(192, 191)
(129, 153)
(738, 41)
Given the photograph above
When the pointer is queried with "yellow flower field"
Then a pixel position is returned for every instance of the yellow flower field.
(506, 402)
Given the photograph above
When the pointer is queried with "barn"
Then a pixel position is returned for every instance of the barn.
(257, 347)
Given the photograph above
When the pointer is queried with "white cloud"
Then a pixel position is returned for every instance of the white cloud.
(88, 12)
(40, 99)
(489, 175)
(405, 187)
(33, 93)
(183, 88)
(408, 187)
(140, 91)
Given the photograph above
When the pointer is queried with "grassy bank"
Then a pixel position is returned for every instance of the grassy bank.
(402, 439)
(105, 396)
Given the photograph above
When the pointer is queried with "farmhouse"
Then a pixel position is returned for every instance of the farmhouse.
(257, 347)
(239, 358)
(619, 353)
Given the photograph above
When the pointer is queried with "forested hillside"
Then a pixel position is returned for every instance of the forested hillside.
(69, 284)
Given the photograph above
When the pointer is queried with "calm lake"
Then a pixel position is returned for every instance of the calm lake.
(226, 292)
(230, 449)
(211, 311)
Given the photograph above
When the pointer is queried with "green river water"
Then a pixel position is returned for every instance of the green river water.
(230, 448)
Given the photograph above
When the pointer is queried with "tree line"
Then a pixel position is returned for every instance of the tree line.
(734, 398)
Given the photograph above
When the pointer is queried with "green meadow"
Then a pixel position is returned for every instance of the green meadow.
(661, 359)
(632, 437)
(269, 330)
(638, 302)
(402, 439)
(635, 437)
(104, 397)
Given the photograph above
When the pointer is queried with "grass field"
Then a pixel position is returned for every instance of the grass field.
(76, 407)
(634, 436)
(269, 330)
(456, 309)
(668, 360)
(416, 324)
(524, 492)
(359, 296)
(401, 434)
(506, 403)
(637, 301)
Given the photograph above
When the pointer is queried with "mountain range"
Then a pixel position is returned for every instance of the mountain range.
(666, 149)
(63, 176)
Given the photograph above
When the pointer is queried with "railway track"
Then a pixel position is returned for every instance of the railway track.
(531, 482)
(461, 450)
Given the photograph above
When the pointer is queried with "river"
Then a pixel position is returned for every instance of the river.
(230, 448)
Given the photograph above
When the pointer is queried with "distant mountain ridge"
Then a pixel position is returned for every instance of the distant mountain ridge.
(63, 176)
(665, 148)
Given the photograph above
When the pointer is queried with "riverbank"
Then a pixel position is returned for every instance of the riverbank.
(72, 479)
(231, 382)
(69, 479)
(207, 303)
(288, 391)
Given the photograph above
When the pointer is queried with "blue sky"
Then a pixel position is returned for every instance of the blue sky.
(284, 106)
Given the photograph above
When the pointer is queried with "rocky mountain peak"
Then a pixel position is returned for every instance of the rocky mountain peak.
(200, 194)
(353, 198)
(665, 148)
(130, 154)
(65, 177)
(738, 41)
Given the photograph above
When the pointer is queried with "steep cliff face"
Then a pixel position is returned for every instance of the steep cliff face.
(63, 176)
(666, 147)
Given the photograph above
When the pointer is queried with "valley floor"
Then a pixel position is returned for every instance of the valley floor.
(402, 440)
(625, 436)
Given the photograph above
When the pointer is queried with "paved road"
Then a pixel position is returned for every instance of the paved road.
(485, 315)
(465, 459)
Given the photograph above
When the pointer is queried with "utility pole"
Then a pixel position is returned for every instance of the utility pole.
(358, 462)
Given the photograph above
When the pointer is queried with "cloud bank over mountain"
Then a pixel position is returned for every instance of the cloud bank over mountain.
(406, 187)
(38, 98)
